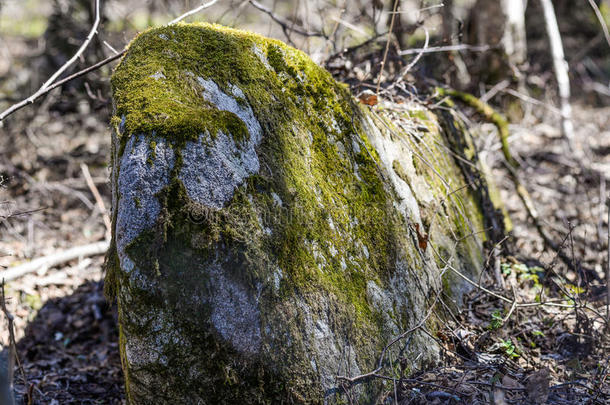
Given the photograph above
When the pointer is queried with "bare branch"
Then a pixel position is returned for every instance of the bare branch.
(46, 86)
(50, 86)
(80, 51)
(39, 94)
(448, 48)
(193, 11)
(285, 25)
(54, 259)
(114, 51)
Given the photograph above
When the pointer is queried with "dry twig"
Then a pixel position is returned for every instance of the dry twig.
(419, 55)
(448, 48)
(193, 11)
(387, 47)
(98, 199)
(285, 25)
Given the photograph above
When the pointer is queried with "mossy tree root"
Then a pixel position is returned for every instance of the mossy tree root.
(489, 114)
(500, 122)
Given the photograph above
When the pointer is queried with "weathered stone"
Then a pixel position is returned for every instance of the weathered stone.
(266, 225)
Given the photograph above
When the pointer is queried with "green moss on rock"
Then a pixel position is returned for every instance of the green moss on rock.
(310, 266)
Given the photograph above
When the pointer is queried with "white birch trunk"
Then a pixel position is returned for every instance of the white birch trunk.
(514, 41)
(561, 70)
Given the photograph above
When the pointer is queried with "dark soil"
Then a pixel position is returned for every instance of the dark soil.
(70, 351)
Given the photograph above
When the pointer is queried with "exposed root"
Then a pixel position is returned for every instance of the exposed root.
(492, 116)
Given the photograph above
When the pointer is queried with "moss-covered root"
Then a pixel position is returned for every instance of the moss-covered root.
(488, 113)
(500, 122)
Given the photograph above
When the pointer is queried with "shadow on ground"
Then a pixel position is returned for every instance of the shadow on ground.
(70, 351)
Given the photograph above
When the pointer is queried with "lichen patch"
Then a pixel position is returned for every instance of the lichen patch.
(261, 55)
(158, 75)
(389, 148)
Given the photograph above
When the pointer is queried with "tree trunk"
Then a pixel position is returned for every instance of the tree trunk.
(560, 66)
(514, 40)
(499, 24)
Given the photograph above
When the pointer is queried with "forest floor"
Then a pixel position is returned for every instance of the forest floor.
(497, 353)
(492, 353)
(67, 334)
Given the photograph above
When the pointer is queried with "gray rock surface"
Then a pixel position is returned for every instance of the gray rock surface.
(269, 239)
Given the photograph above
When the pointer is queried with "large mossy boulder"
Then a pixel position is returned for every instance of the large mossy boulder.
(270, 233)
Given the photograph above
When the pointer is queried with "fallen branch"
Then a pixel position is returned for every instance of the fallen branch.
(448, 48)
(21, 213)
(501, 124)
(98, 199)
(54, 259)
(556, 303)
(489, 114)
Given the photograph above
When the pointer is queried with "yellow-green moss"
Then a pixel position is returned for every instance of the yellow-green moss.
(173, 108)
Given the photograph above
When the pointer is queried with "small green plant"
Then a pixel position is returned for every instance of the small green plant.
(574, 289)
(524, 272)
(509, 348)
(496, 320)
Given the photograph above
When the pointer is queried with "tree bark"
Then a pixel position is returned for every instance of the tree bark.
(560, 66)
(500, 24)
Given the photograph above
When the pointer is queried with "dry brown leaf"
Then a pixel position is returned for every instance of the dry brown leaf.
(537, 387)
(368, 97)
(509, 382)
(422, 238)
